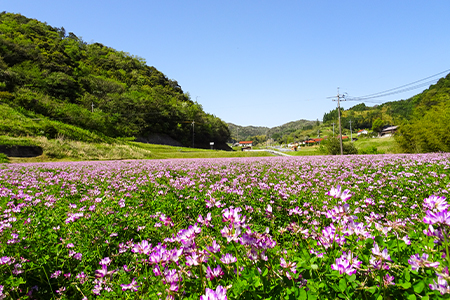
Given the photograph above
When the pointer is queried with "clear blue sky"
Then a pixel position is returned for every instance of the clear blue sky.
(265, 63)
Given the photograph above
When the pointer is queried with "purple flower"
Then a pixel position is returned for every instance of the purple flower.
(441, 217)
(228, 259)
(230, 234)
(338, 193)
(142, 248)
(196, 259)
(436, 203)
(219, 294)
(102, 272)
(131, 286)
(388, 280)
(416, 261)
(442, 284)
(347, 263)
(214, 248)
(105, 261)
(6, 260)
(382, 254)
(213, 273)
(56, 274)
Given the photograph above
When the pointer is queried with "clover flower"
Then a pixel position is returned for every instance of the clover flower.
(388, 280)
(347, 263)
(213, 273)
(442, 282)
(289, 266)
(339, 193)
(416, 261)
(436, 203)
(219, 294)
(131, 286)
(228, 259)
(382, 254)
(440, 217)
(143, 247)
(214, 248)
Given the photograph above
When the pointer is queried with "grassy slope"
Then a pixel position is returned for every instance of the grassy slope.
(73, 143)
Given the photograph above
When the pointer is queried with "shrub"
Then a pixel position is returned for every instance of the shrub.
(3, 158)
(333, 147)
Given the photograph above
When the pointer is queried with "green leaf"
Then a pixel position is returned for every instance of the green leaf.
(412, 297)
(312, 296)
(303, 295)
(314, 266)
(407, 275)
(342, 284)
(406, 285)
(352, 278)
(418, 287)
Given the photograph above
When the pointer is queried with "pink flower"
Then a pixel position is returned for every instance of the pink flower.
(228, 259)
(131, 286)
(338, 193)
(219, 294)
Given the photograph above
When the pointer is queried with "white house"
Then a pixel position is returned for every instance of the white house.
(362, 131)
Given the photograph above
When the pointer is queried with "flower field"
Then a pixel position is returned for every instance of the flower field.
(352, 227)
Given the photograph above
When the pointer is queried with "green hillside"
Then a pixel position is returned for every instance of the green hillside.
(283, 133)
(424, 119)
(52, 84)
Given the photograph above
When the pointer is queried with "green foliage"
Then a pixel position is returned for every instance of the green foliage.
(377, 125)
(428, 130)
(430, 133)
(331, 116)
(3, 158)
(333, 147)
(94, 87)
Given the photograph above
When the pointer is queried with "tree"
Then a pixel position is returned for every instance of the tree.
(377, 125)
(333, 147)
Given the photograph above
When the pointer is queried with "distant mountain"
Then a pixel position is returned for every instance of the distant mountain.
(240, 133)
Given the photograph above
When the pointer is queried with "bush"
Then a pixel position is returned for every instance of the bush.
(3, 158)
(333, 147)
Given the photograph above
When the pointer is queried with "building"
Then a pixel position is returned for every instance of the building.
(362, 131)
(246, 144)
(389, 131)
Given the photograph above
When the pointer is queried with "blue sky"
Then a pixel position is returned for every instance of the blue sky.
(265, 63)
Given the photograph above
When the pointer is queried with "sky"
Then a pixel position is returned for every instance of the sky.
(266, 63)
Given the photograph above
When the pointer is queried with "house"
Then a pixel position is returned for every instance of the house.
(362, 131)
(389, 131)
(344, 137)
(246, 144)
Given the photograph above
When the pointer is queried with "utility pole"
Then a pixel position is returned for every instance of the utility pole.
(333, 129)
(351, 136)
(339, 98)
(92, 106)
(193, 129)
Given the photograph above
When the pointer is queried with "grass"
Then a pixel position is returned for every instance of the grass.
(67, 150)
(383, 145)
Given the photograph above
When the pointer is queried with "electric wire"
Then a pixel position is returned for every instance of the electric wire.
(400, 89)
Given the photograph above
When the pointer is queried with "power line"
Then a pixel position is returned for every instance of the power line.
(400, 89)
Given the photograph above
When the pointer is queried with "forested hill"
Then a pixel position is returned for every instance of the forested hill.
(260, 133)
(55, 75)
(424, 119)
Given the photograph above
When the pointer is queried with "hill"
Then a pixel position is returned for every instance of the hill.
(424, 119)
(60, 80)
(277, 133)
